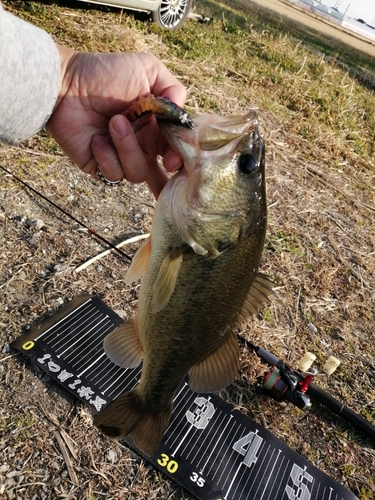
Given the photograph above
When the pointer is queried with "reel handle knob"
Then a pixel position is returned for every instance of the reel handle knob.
(330, 365)
(307, 360)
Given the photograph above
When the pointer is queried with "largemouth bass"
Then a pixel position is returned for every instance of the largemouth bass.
(200, 274)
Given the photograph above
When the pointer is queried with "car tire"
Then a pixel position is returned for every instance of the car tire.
(172, 13)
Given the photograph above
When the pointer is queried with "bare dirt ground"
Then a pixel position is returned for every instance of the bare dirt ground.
(320, 251)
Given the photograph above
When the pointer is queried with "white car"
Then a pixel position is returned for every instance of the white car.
(170, 14)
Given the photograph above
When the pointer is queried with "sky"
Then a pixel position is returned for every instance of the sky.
(358, 9)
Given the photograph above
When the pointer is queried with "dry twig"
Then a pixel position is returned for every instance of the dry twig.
(107, 252)
(65, 454)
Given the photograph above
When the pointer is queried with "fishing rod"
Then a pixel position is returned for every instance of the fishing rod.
(295, 386)
(92, 231)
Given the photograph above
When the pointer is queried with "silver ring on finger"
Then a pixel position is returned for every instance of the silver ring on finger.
(105, 180)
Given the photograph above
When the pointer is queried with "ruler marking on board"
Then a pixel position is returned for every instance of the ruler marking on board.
(242, 463)
(283, 472)
(100, 369)
(107, 372)
(132, 381)
(270, 477)
(54, 341)
(55, 335)
(260, 471)
(80, 334)
(232, 482)
(270, 474)
(189, 441)
(224, 459)
(227, 461)
(239, 480)
(184, 386)
(208, 439)
(77, 339)
(233, 464)
(203, 436)
(116, 376)
(179, 435)
(174, 453)
(244, 471)
(102, 356)
(217, 416)
(176, 414)
(214, 448)
(89, 342)
(182, 421)
(234, 475)
(203, 422)
(81, 338)
(92, 364)
(264, 472)
(213, 423)
(221, 447)
(61, 320)
(317, 491)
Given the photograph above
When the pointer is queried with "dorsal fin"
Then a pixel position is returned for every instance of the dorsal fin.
(123, 347)
(166, 279)
(261, 289)
(139, 262)
(219, 369)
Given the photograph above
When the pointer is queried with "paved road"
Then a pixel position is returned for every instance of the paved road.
(314, 22)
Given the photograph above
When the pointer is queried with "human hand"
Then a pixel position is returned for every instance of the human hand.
(87, 120)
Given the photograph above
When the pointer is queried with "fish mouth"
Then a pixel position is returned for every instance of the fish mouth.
(212, 136)
(225, 132)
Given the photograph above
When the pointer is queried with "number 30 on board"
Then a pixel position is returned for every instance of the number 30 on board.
(170, 465)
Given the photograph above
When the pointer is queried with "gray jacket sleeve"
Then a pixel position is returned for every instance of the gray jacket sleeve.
(29, 78)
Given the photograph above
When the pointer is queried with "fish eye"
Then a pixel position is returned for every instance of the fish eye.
(247, 164)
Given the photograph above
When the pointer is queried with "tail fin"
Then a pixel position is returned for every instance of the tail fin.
(123, 417)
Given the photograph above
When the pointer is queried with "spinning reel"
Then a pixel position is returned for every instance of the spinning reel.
(283, 383)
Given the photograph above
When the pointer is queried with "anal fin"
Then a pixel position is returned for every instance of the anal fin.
(123, 346)
(219, 369)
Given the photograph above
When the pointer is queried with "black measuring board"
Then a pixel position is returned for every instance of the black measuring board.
(211, 449)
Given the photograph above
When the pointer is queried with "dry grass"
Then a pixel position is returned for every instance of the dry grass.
(318, 123)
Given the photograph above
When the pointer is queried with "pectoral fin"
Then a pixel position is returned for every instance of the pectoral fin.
(218, 370)
(123, 347)
(139, 262)
(258, 294)
(166, 279)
